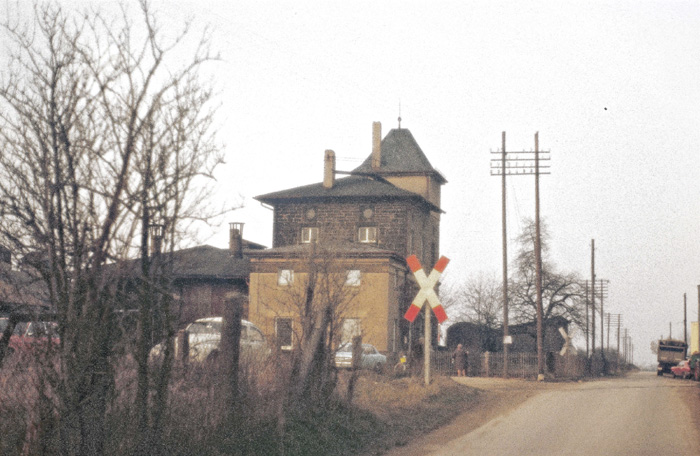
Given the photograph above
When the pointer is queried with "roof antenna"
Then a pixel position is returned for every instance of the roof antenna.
(399, 114)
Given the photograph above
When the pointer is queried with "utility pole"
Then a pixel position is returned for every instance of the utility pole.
(587, 323)
(521, 164)
(685, 320)
(593, 298)
(538, 263)
(506, 338)
(612, 320)
(619, 320)
(603, 294)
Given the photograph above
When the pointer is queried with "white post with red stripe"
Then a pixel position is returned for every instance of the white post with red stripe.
(426, 292)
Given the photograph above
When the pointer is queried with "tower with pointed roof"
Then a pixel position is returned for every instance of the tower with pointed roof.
(399, 159)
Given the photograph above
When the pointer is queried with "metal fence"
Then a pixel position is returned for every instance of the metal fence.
(520, 365)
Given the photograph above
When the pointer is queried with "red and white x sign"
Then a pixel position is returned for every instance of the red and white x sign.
(426, 288)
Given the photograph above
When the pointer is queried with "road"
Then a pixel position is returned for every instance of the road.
(639, 415)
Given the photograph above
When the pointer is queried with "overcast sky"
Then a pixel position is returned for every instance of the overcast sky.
(612, 87)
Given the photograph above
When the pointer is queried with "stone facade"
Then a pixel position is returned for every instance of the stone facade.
(402, 226)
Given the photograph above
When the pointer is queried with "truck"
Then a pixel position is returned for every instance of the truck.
(670, 353)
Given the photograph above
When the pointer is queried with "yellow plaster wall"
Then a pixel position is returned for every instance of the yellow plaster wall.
(425, 186)
(374, 301)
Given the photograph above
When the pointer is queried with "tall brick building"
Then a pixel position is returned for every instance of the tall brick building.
(368, 222)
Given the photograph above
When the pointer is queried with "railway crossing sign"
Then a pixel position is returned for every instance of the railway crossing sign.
(426, 292)
(568, 346)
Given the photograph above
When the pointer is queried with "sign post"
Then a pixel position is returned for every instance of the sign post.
(426, 293)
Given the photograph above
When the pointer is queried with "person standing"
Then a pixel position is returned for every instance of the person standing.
(459, 358)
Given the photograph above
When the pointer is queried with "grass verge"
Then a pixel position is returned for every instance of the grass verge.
(400, 409)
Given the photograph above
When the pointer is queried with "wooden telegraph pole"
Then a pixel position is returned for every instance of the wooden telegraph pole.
(499, 169)
(506, 338)
(685, 319)
(603, 295)
(523, 163)
(538, 264)
(593, 298)
(587, 324)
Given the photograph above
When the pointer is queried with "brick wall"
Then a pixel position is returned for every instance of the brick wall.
(402, 225)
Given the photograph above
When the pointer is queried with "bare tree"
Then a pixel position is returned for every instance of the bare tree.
(105, 131)
(561, 294)
(477, 300)
(316, 300)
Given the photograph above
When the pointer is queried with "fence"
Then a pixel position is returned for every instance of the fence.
(520, 365)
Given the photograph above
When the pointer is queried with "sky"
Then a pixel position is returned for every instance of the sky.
(611, 87)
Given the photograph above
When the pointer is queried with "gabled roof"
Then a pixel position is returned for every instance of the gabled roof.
(400, 154)
(366, 187)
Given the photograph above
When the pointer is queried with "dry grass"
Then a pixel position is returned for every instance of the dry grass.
(384, 411)
(406, 407)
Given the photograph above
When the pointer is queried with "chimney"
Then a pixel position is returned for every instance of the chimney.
(156, 231)
(329, 169)
(376, 145)
(235, 241)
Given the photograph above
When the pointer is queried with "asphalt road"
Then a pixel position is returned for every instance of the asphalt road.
(639, 415)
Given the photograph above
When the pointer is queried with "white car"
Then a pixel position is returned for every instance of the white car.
(204, 338)
(371, 358)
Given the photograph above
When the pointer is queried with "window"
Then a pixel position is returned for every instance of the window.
(283, 333)
(353, 277)
(367, 234)
(285, 277)
(352, 327)
(309, 234)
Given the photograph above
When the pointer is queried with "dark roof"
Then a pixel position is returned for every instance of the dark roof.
(207, 262)
(348, 187)
(201, 262)
(400, 154)
(347, 250)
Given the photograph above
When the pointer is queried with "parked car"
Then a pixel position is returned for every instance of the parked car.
(371, 358)
(30, 336)
(682, 370)
(204, 338)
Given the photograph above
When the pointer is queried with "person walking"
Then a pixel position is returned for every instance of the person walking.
(459, 358)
